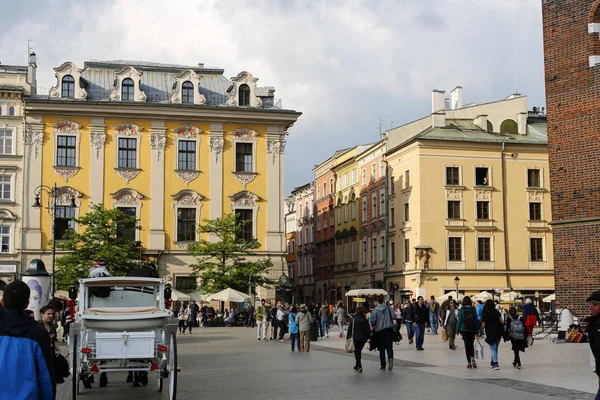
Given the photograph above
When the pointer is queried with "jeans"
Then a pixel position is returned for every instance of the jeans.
(469, 339)
(341, 327)
(261, 329)
(295, 339)
(324, 326)
(410, 330)
(358, 347)
(433, 322)
(598, 395)
(494, 352)
(275, 323)
(420, 334)
(385, 345)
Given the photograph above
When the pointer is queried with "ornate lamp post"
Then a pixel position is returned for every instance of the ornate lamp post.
(53, 193)
(456, 282)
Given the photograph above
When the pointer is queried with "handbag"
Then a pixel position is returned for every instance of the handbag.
(61, 368)
(350, 342)
(444, 335)
(479, 351)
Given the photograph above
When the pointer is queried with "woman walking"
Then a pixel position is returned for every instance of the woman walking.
(517, 333)
(340, 314)
(491, 323)
(359, 331)
(294, 331)
(408, 316)
(450, 319)
(468, 326)
(183, 316)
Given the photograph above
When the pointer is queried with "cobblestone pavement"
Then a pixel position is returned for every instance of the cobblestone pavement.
(229, 363)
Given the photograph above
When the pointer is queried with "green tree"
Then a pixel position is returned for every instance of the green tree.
(101, 238)
(223, 263)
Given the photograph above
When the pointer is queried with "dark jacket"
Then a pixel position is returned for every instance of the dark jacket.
(26, 359)
(408, 314)
(494, 328)
(594, 338)
(460, 326)
(421, 314)
(520, 345)
(359, 329)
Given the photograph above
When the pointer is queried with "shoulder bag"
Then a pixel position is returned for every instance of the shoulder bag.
(350, 342)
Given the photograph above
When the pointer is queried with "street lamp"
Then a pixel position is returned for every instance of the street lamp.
(53, 193)
(456, 282)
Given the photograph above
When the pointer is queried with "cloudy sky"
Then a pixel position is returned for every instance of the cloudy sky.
(342, 63)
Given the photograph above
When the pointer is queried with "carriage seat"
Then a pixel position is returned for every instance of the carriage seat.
(122, 310)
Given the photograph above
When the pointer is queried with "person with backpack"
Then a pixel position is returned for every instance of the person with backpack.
(468, 326)
(434, 314)
(449, 323)
(491, 323)
(517, 334)
(421, 321)
(303, 319)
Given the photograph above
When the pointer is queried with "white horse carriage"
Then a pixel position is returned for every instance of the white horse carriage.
(123, 326)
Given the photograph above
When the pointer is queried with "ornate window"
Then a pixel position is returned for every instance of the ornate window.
(452, 176)
(68, 87)
(187, 140)
(244, 162)
(11, 110)
(67, 138)
(65, 214)
(5, 239)
(536, 247)
(127, 89)
(6, 142)
(6, 186)
(128, 201)
(187, 205)
(455, 249)
(128, 137)
(187, 92)
(243, 91)
(245, 204)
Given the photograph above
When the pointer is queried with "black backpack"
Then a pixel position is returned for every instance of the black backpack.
(469, 319)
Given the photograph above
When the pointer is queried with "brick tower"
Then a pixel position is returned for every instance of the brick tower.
(572, 71)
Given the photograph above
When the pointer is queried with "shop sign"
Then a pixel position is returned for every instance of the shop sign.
(431, 279)
(8, 269)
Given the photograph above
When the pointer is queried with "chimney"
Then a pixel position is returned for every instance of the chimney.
(438, 102)
(522, 123)
(456, 98)
(438, 119)
(481, 121)
(31, 72)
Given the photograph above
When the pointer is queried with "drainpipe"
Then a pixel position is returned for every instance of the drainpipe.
(504, 216)
(22, 193)
(387, 224)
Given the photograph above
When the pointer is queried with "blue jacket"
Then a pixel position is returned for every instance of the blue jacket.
(26, 358)
(479, 311)
(293, 324)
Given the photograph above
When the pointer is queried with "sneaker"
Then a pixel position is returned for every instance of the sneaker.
(420, 349)
(356, 367)
(390, 364)
(469, 366)
(519, 365)
(410, 341)
(281, 340)
(473, 363)
(258, 338)
(496, 367)
(327, 336)
(382, 368)
(360, 369)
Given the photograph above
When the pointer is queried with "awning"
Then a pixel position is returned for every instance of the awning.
(365, 292)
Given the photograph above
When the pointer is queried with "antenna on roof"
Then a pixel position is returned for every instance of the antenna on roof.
(516, 81)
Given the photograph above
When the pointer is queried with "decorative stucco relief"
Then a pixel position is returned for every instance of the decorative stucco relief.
(216, 146)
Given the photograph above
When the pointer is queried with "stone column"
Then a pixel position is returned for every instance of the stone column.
(32, 176)
(215, 145)
(158, 140)
(97, 141)
(275, 240)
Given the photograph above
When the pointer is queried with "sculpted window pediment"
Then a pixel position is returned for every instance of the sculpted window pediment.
(244, 199)
(6, 215)
(65, 70)
(247, 96)
(135, 76)
(187, 198)
(194, 79)
(127, 197)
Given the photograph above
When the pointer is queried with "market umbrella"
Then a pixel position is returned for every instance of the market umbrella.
(230, 295)
(453, 294)
(548, 299)
(510, 296)
(176, 295)
(483, 296)
(62, 294)
(199, 296)
(365, 292)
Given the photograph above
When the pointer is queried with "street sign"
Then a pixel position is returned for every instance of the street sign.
(411, 293)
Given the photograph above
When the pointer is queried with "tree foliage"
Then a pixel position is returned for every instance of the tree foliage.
(224, 263)
(100, 239)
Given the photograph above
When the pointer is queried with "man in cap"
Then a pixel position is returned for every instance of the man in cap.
(594, 331)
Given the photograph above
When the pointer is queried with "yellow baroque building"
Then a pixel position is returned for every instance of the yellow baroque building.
(471, 193)
(171, 144)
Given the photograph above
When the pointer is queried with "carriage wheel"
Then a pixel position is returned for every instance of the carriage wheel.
(74, 372)
(172, 367)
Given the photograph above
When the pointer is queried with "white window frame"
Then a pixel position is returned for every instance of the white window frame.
(346, 212)
(324, 189)
(67, 128)
(129, 198)
(354, 177)
(186, 199)
(364, 252)
(347, 179)
(364, 177)
(460, 174)
(127, 130)
(10, 238)
(12, 176)
(9, 220)
(489, 175)
(64, 196)
(491, 237)
(13, 135)
(244, 135)
(392, 252)
(364, 208)
(374, 249)
(382, 168)
(382, 203)
(373, 172)
(462, 247)
(354, 209)
(188, 133)
(374, 201)
(527, 178)
(247, 201)
(382, 249)
(544, 254)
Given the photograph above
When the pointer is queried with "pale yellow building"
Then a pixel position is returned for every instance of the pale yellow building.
(470, 186)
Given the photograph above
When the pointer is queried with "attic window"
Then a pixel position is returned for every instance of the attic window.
(187, 92)
(481, 176)
(68, 87)
(244, 93)
(127, 89)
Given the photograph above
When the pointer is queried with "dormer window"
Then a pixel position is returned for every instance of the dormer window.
(68, 87)
(127, 89)
(244, 92)
(187, 92)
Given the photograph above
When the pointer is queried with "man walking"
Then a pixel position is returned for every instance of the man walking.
(408, 314)
(324, 315)
(26, 358)
(250, 319)
(593, 332)
(421, 321)
(383, 329)
(261, 320)
(434, 315)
